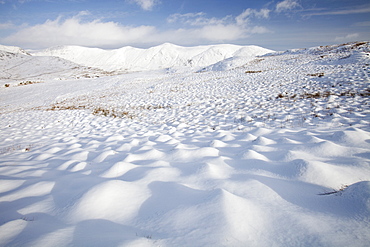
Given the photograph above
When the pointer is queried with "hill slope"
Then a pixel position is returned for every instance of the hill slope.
(16, 65)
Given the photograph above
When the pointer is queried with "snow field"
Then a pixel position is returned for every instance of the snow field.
(270, 153)
(169, 188)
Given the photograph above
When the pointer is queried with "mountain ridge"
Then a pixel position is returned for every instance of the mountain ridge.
(163, 56)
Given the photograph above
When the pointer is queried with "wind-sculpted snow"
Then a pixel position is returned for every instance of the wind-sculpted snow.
(273, 152)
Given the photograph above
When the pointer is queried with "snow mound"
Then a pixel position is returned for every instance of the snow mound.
(159, 57)
(359, 194)
(119, 202)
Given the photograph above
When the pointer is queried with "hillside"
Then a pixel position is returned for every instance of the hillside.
(158, 57)
(18, 66)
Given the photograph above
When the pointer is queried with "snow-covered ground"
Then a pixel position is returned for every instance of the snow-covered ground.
(271, 150)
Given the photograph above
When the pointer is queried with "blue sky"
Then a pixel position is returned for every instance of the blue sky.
(278, 25)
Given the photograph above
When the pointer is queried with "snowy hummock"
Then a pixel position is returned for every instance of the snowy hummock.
(272, 151)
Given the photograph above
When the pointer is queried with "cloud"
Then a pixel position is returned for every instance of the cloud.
(196, 19)
(244, 17)
(6, 25)
(362, 24)
(347, 38)
(145, 4)
(201, 28)
(356, 10)
(286, 5)
(74, 31)
(188, 29)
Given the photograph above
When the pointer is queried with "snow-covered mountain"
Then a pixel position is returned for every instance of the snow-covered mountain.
(73, 62)
(158, 57)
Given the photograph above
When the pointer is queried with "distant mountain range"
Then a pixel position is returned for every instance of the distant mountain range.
(158, 57)
(74, 62)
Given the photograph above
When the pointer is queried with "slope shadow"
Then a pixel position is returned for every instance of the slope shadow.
(306, 195)
(99, 232)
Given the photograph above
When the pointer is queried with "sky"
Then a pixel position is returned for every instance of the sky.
(111, 24)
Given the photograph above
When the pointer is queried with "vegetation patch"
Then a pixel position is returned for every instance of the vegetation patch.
(317, 95)
(320, 74)
(16, 147)
(24, 83)
(154, 107)
(112, 113)
(325, 94)
(66, 107)
(253, 71)
(337, 192)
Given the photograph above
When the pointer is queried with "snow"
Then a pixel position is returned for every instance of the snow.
(238, 149)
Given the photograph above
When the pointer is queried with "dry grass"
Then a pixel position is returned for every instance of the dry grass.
(338, 192)
(325, 94)
(112, 113)
(23, 83)
(16, 147)
(253, 71)
(320, 74)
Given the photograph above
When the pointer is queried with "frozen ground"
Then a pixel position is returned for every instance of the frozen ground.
(269, 151)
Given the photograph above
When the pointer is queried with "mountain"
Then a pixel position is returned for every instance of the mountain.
(159, 57)
(73, 62)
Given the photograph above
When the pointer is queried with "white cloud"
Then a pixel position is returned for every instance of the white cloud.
(201, 28)
(189, 29)
(221, 32)
(74, 31)
(347, 38)
(145, 4)
(362, 24)
(196, 19)
(286, 5)
(244, 17)
(6, 25)
(259, 30)
(358, 10)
